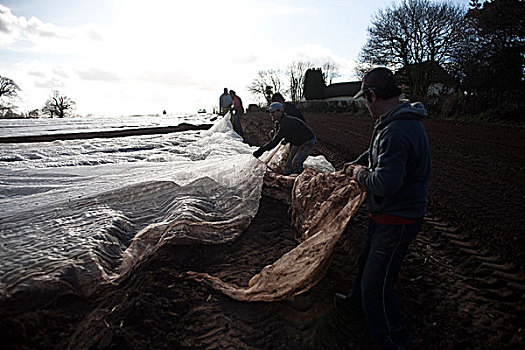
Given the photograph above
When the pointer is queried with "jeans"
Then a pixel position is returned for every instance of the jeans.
(379, 263)
(297, 156)
(237, 127)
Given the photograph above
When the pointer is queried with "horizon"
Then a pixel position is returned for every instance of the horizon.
(120, 57)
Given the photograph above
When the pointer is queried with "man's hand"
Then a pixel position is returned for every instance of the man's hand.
(346, 166)
(351, 169)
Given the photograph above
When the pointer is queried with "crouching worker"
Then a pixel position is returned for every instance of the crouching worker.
(294, 131)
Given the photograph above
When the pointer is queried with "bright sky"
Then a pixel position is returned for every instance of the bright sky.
(122, 57)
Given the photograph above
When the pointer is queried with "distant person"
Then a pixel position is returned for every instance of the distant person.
(225, 102)
(289, 109)
(238, 113)
(294, 131)
(395, 174)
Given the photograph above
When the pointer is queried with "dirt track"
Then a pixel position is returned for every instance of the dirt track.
(461, 286)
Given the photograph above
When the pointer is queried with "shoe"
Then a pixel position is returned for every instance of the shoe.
(398, 340)
(348, 304)
(402, 339)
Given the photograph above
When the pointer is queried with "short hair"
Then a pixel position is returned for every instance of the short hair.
(277, 97)
(383, 82)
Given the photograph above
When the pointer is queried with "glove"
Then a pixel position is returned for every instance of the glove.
(257, 154)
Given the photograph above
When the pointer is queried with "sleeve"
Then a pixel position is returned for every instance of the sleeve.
(276, 139)
(388, 176)
(362, 159)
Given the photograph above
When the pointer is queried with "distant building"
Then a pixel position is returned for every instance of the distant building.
(315, 88)
(342, 91)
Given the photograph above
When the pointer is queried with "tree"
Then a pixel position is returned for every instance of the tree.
(296, 72)
(58, 105)
(35, 113)
(330, 71)
(8, 87)
(491, 65)
(314, 84)
(415, 33)
(265, 84)
(8, 91)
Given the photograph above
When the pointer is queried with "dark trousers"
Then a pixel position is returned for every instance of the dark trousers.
(237, 127)
(379, 263)
(297, 156)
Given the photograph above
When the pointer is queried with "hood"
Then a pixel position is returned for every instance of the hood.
(407, 111)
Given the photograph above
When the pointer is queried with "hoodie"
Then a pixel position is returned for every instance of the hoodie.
(398, 163)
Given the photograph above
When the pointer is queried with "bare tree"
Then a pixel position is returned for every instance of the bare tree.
(330, 71)
(58, 105)
(8, 87)
(413, 33)
(35, 113)
(296, 71)
(265, 84)
(9, 90)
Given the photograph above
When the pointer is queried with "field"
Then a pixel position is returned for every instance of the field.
(461, 286)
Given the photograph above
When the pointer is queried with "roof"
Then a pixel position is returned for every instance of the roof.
(342, 89)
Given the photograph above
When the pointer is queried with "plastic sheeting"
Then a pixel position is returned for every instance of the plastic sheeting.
(79, 213)
(66, 225)
(322, 205)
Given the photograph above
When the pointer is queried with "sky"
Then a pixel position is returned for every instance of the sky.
(125, 57)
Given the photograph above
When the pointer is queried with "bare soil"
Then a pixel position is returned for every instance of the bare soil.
(461, 286)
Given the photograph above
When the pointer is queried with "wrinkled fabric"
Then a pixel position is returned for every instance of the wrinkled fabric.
(322, 204)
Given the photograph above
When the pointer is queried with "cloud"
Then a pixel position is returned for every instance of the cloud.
(36, 73)
(7, 25)
(98, 74)
(20, 28)
(49, 84)
(33, 35)
(179, 55)
(5, 17)
(248, 59)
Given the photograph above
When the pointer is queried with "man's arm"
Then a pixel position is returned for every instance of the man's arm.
(388, 176)
(270, 144)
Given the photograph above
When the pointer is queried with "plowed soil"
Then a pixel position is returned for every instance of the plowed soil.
(461, 286)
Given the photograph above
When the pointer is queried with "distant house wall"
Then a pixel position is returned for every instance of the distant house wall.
(315, 88)
(339, 98)
(334, 98)
(332, 106)
(342, 90)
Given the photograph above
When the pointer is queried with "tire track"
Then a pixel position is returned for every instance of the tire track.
(480, 285)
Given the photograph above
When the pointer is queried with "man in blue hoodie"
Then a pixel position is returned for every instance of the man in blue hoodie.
(395, 172)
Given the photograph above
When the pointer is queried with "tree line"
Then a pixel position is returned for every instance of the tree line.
(288, 82)
(57, 105)
(458, 61)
